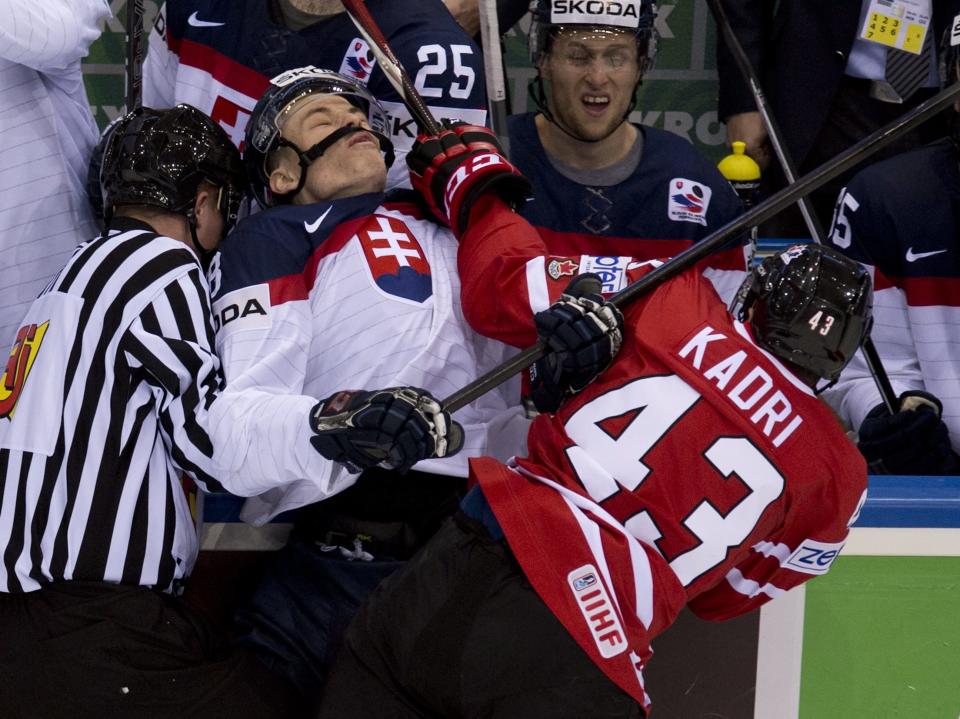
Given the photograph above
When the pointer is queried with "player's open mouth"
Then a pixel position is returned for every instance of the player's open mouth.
(595, 104)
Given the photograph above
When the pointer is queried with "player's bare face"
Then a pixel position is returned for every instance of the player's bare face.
(351, 166)
(592, 75)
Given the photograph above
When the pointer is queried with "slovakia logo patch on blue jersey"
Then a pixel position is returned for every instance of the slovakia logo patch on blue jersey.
(359, 61)
(688, 201)
(397, 263)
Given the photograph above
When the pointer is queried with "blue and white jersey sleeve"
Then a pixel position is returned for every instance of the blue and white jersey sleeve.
(160, 66)
(874, 223)
(443, 62)
(864, 228)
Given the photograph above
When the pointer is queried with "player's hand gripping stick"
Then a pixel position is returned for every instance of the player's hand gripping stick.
(394, 428)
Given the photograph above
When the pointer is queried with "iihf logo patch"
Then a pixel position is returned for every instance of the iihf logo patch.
(398, 266)
(687, 201)
(359, 61)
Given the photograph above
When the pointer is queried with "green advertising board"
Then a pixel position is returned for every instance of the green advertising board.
(882, 639)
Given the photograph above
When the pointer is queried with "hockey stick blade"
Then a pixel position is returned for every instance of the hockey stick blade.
(693, 254)
(361, 17)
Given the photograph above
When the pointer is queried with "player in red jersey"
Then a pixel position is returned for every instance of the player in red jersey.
(700, 468)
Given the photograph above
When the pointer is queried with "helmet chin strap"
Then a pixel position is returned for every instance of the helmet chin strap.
(539, 96)
(307, 157)
(203, 254)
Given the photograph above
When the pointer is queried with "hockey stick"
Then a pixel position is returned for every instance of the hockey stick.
(134, 61)
(493, 70)
(357, 10)
(398, 77)
(874, 363)
(693, 254)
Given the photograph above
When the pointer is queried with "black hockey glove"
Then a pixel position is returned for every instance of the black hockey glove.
(451, 170)
(912, 441)
(394, 428)
(583, 333)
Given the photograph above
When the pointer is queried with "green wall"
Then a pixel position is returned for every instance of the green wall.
(882, 639)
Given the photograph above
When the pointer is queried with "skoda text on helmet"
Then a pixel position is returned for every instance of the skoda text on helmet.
(159, 158)
(549, 17)
(263, 134)
(811, 307)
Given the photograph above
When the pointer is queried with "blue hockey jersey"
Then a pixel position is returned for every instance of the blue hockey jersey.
(674, 197)
(901, 218)
(219, 55)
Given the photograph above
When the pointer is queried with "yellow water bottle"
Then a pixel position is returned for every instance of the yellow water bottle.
(742, 172)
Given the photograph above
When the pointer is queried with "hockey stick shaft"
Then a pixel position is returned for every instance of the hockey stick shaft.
(870, 353)
(693, 254)
(875, 365)
(361, 17)
(134, 62)
(493, 71)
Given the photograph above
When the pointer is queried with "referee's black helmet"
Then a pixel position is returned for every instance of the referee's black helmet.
(159, 158)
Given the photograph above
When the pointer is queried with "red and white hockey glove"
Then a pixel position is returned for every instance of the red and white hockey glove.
(451, 170)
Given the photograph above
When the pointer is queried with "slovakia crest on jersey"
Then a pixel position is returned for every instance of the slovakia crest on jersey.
(398, 267)
(359, 61)
(687, 201)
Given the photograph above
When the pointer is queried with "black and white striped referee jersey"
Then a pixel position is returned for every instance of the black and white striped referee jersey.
(103, 402)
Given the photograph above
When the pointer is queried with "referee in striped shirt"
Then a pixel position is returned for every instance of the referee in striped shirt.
(103, 402)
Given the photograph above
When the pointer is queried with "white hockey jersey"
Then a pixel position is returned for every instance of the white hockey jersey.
(355, 294)
(906, 234)
(46, 136)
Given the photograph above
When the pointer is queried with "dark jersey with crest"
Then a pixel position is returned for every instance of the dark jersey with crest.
(219, 55)
(901, 218)
(674, 197)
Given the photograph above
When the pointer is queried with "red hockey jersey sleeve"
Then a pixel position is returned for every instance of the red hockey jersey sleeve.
(507, 274)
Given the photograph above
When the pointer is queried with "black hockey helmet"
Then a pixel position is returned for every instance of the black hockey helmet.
(160, 157)
(812, 307)
(263, 130)
(550, 16)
